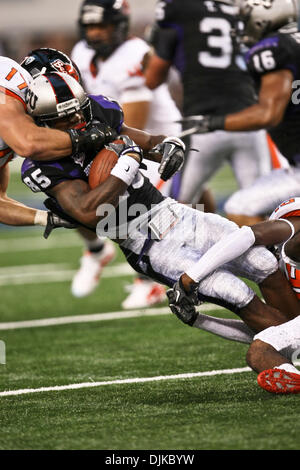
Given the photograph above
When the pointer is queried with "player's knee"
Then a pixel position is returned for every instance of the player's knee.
(232, 205)
(255, 354)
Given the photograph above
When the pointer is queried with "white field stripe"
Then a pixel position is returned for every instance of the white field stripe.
(159, 378)
(44, 273)
(95, 317)
(39, 243)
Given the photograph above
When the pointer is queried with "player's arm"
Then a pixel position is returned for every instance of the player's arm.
(13, 212)
(28, 140)
(157, 71)
(25, 138)
(81, 202)
(275, 93)
(144, 140)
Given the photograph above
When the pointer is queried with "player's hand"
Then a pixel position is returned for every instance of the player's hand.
(172, 150)
(91, 139)
(128, 147)
(203, 124)
(53, 221)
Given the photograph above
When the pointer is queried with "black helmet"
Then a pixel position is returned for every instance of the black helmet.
(105, 12)
(49, 60)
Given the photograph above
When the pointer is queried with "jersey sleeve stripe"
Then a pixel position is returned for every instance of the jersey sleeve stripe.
(8, 92)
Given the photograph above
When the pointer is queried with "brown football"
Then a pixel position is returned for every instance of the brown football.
(102, 165)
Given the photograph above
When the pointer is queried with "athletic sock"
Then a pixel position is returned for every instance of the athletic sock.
(234, 330)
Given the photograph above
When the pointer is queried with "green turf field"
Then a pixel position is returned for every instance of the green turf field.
(164, 408)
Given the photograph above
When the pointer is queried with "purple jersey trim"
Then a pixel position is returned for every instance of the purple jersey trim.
(264, 44)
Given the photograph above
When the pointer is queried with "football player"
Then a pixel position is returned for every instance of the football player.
(200, 38)
(273, 61)
(20, 135)
(111, 63)
(169, 237)
(274, 347)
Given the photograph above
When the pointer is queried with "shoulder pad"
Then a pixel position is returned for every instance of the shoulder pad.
(289, 208)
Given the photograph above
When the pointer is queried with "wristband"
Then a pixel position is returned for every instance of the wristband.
(126, 169)
(217, 123)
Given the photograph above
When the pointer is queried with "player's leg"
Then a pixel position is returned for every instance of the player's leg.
(98, 253)
(248, 206)
(250, 157)
(201, 164)
(271, 355)
(144, 292)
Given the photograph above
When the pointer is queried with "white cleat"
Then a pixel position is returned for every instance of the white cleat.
(88, 276)
(143, 294)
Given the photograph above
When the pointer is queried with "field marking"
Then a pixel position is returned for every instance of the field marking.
(39, 243)
(59, 388)
(95, 317)
(60, 272)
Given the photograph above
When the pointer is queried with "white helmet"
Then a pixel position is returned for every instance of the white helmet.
(52, 96)
(289, 208)
(261, 17)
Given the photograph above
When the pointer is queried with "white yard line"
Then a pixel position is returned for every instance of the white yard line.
(39, 243)
(44, 273)
(95, 317)
(59, 388)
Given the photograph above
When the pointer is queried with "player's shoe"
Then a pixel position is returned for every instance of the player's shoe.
(144, 294)
(88, 276)
(183, 304)
(279, 381)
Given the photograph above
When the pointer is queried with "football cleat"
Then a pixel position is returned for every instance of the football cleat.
(183, 304)
(279, 381)
(144, 293)
(88, 276)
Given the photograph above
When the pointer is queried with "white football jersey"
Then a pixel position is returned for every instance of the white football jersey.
(13, 82)
(120, 77)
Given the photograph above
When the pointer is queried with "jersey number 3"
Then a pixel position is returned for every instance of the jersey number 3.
(222, 43)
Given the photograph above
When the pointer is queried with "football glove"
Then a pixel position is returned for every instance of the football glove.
(204, 124)
(128, 146)
(91, 139)
(183, 304)
(53, 221)
(172, 150)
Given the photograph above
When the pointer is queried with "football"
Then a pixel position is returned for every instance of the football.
(102, 165)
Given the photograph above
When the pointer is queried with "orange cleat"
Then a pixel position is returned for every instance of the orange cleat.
(279, 381)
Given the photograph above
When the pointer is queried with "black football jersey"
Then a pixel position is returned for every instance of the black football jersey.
(281, 51)
(41, 176)
(197, 36)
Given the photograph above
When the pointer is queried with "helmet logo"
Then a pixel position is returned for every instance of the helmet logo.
(29, 60)
(31, 99)
(60, 66)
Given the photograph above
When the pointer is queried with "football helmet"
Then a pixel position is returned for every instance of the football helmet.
(50, 60)
(52, 96)
(262, 17)
(105, 12)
